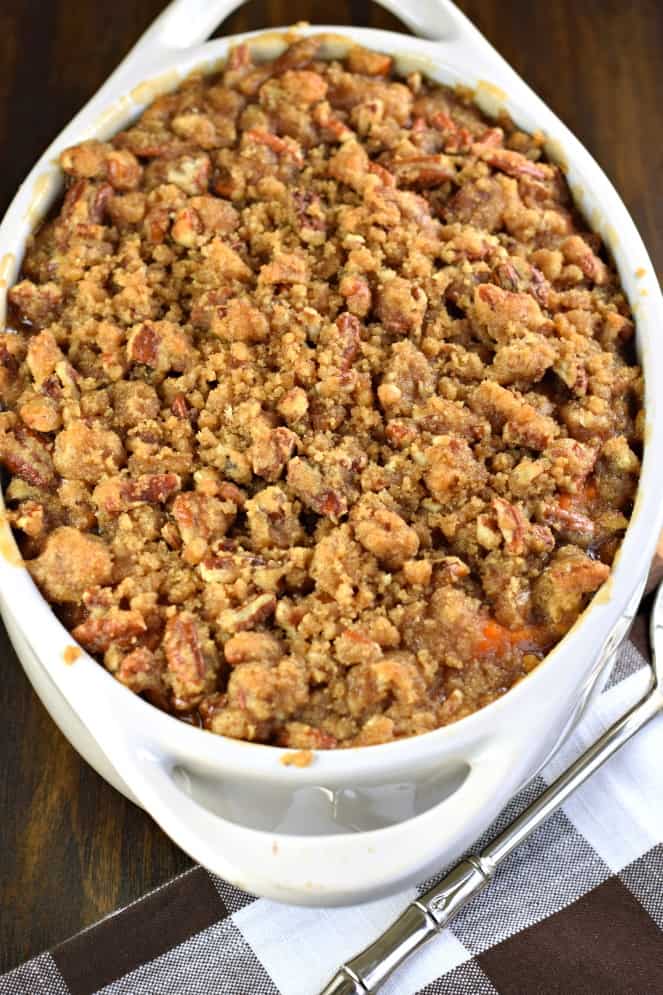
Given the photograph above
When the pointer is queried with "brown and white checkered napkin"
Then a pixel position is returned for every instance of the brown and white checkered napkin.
(578, 909)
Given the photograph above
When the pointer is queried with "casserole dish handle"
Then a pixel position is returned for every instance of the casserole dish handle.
(185, 23)
(317, 870)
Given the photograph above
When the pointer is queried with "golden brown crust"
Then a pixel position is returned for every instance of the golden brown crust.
(320, 410)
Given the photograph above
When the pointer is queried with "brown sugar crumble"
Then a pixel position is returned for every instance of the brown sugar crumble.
(302, 758)
(71, 654)
(320, 414)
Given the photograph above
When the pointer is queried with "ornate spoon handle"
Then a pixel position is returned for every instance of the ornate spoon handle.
(428, 915)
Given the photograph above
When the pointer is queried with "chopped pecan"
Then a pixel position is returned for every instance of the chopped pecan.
(186, 229)
(99, 160)
(349, 330)
(201, 520)
(332, 128)
(571, 462)
(513, 163)
(280, 146)
(179, 407)
(502, 312)
(25, 454)
(141, 671)
(239, 59)
(492, 136)
(521, 423)
(272, 519)
(253, 613)
(190, 660)
(224, 262)
(116, 626)
(576, 250)
(245, 646)
(386, 178)
(450, 569)
(222, 568)
(230, 492)
(86, 203)
(423, 170)
(571, 524)
(36, 305)
(163, 345)
(395, 674)
(270, 453)
(308, 483)
(310, 214)
(519, 534)
(12, 351)
(118, 494)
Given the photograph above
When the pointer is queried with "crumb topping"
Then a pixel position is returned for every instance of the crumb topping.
(320, 415)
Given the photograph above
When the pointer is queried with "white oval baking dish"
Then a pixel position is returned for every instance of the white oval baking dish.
(356, 823)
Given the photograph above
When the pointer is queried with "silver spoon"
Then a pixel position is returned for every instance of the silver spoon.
(428, 915)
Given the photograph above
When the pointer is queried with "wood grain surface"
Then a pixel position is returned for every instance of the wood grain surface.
(71, 848)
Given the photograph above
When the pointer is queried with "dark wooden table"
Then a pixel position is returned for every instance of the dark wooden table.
(71, 848)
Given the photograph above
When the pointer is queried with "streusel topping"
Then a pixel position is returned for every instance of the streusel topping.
(320, 409)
